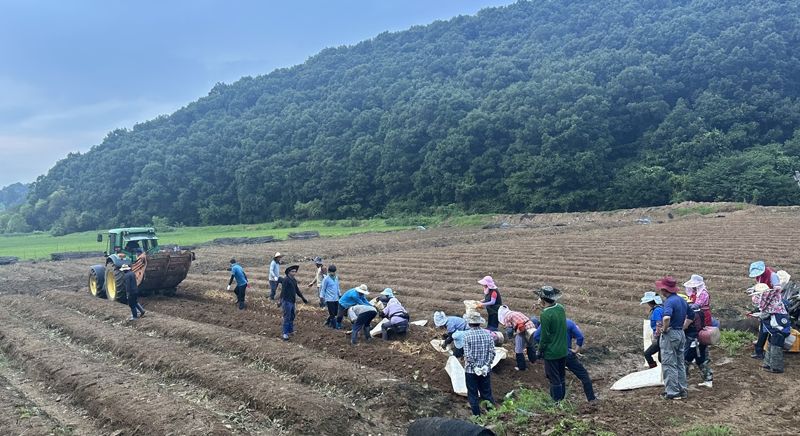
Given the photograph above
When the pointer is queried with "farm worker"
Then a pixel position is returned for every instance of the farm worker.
(319, 276)
(791, 296)
(573, 364)
(458, 339)
(762, 274)
(349, 299)
(774, 323)
(553, 340)
(237, 273)
(395, 314)
(478, 357)
(673, 340)
(451, 323)
(274, 274)
(289, 293)
(656, 315)
(132, 292)
(695, 351)
(491, 301)
(520, 326)
(329, 295)
(361, 316)
(698, 294)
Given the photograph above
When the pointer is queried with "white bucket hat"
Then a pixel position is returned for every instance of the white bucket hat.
(362, 289)
(695, 281)
(125, 267)
(651, 296)
(439, 318)
(784, 277)
(278, 254)
(475, 318)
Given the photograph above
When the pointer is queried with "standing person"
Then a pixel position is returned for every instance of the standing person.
(132, 292)
(573, 364)
(274, 274)
(451, 323)
(361, 316)
(698, 294)
(319, 276)
(673, 340)
(237, 273)
(329, 295)
(656, 315)
(762, 274)
(774, 323)
(696, 352)
(521, 327)
(553, 340)
(478, 357)
(491, 301)
(289, 293)
(349, 299)
(395, 314)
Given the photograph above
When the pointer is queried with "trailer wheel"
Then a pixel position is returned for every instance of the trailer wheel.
(115, 286)
(169, 292)
(96, 281)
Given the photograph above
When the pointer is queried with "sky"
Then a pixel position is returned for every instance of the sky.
(72, 71)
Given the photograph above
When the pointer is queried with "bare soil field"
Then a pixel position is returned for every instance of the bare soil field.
(197, 365)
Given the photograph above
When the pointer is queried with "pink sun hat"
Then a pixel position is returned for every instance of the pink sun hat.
(487, 281)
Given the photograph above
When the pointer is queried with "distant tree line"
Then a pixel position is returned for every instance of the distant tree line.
(539, 106)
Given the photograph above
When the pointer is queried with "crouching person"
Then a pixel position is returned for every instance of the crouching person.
(520, 326)
(396, 315)
(478, 357)
(361, 315)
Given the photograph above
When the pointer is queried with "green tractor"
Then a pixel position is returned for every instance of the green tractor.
(156, 269)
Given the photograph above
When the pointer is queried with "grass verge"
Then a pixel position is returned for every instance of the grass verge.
(709, 430)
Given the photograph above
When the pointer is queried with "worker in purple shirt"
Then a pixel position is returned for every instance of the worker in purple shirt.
(573, 364)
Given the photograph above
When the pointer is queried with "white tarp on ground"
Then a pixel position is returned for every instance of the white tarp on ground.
(646, 378)
(456, 371)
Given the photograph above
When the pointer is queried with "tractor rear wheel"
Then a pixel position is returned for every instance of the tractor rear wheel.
(115, 286)
(96, 284)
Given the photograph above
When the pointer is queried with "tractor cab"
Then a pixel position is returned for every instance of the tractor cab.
(132, 242)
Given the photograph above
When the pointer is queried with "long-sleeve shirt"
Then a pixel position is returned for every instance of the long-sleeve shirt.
(455, 323)
(358, 309)
(518, 321)
(492, 301)
(478, 349)
(329, 290)
(274, 271)
(393, 310)
(351, 298)
(289, 290)
(573, 333)
(553, 338)
(237, 272)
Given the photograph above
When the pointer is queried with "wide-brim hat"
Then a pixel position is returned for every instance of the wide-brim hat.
(548, 292)
(291, 268)
(318, 260)
(757, 268)
(651, 296)
(502, 312)
(278, 254)
(784, 277)
(439, 318)
(474, 318)
(695, 281)
(488, 281)
(362, 289)
(667, 283)
(125, 267)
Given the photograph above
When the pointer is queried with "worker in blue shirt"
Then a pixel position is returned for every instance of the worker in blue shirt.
(573, 364)
(237, 273)
(353, 297)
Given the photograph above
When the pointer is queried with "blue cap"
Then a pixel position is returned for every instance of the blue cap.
(757, 268)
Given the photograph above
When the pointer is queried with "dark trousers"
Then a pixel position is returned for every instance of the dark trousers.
(697, 354)
(387, 328)
(362, 323)
(240, 290)
(479, 388)
(133, 302)
(556, 372)
(333, 310)
(650, 351)
(273, 286)
(288, 317)
(576, 367)
(493, 322)
(340, 314)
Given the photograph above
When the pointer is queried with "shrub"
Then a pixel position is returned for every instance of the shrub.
(733, 340)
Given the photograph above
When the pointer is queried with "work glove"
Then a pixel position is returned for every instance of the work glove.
(228, 288)
(321, 302)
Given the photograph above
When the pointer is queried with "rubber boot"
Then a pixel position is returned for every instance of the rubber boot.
(385, 335)
(757, 353)
(775, 358)
(521, 365)
(767, 359)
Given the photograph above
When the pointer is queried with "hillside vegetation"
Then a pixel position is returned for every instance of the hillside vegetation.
(537, 106)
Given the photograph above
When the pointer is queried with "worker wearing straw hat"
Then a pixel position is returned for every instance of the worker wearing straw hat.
(274, 274)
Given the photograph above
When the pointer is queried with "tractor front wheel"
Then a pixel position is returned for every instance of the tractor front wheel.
(115, 286)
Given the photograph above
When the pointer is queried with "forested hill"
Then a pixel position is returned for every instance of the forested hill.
(538, 106)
